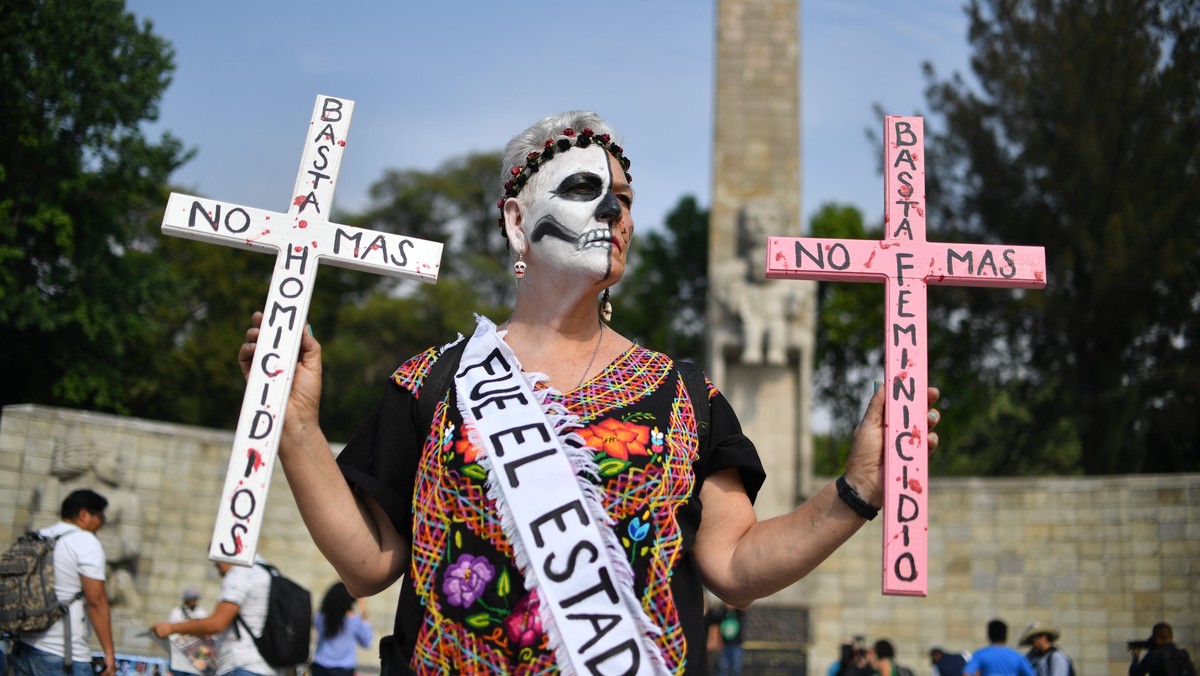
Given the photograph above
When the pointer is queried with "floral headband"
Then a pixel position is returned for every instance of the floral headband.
(535, 159)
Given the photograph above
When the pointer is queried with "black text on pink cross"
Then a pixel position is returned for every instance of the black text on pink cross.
(905, 263)
(300, 238)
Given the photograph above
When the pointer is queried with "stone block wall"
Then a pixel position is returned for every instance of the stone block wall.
(1103, 558)
(177, 473)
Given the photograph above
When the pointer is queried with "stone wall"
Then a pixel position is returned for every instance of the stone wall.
(1104, 558)
(177, 472)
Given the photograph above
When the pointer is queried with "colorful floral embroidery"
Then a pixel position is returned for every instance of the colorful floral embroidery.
(466, 579)
(477, 615)
(617, 438)
(524, 626)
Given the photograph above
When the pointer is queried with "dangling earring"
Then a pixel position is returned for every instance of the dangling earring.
(519, 267)
(605, 307)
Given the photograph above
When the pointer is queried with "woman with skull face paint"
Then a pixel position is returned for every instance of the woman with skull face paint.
(555, 509)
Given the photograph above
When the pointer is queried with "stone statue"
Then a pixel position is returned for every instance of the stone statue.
(769, 315)
(74, 466)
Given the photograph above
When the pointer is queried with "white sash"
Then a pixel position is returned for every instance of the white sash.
(539, 473)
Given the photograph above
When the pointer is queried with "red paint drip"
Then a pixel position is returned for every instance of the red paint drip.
(1039, 275)
(906, 191)
(915, 486)
(870, 259)
(342, 144)
(299, 200)
(237, 545)
(274, 373)
(915, 439)
(297, 248)
(256, 459)
(303, 223)
(375, 247)
(920, 212)
(779, 255)
(884, 244)
(314, 244)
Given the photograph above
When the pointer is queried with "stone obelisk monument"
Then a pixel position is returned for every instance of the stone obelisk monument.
(760, 348)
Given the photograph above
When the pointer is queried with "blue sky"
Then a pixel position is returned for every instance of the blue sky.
(432, 81)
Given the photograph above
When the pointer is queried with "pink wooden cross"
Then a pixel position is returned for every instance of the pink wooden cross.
(300, 238)
(905, 263)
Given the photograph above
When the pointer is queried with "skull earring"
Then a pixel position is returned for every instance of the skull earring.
(605, 307)
(519, 267)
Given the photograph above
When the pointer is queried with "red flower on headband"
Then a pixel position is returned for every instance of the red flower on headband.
(549, 142)
(532, 156)
(587, 131)
(569, 132)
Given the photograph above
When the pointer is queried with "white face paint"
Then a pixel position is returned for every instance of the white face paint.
(571, 212)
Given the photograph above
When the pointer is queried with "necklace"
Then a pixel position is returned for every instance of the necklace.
(599, 340)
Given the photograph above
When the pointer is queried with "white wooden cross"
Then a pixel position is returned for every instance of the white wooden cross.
(905, 263)
(301, 239)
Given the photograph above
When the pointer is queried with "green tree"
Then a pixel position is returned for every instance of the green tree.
(849, 347)
(77, 78)
(661, 302)
(1083, 138)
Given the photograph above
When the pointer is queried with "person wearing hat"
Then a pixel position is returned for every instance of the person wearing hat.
(189, 609)
(1046, 658)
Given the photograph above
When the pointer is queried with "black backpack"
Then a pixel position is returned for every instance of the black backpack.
(286, 632)
(1179, 663)
(1070, 662)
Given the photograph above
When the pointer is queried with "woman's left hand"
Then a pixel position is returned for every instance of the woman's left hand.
(864, 467)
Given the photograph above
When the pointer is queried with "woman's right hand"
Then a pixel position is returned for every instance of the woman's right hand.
(304, 402)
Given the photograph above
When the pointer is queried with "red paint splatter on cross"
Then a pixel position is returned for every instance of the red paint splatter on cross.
(870, 260)
(314, 244)
(915, 439)
(915, 486)
(299, 200)
(342, 144)
(906, 191)
(779, 256)
(255, 458)
(303, 223)
(297, 248)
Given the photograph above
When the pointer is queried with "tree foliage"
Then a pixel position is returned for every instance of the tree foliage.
(77, 78)
(1085, 139)
(661, 303)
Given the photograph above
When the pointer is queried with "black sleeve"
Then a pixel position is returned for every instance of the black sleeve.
(729, 448)
(381, 458)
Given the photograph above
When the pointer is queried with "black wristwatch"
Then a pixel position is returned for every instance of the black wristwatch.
(856, 502)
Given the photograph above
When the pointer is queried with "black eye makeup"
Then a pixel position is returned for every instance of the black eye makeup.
(580, 187)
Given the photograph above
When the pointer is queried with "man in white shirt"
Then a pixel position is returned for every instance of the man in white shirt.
(244, 591)
(79, 582)
(188, 609)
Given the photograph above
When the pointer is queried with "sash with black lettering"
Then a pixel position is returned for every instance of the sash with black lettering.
(552, 514)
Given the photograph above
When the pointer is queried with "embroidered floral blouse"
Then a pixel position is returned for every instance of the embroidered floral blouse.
(463, 606)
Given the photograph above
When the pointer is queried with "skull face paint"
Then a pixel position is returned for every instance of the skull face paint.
(572, 211)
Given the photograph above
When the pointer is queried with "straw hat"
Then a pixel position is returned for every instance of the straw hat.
(1036, 628)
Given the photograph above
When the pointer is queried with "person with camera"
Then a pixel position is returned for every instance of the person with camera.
(1163, 657)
